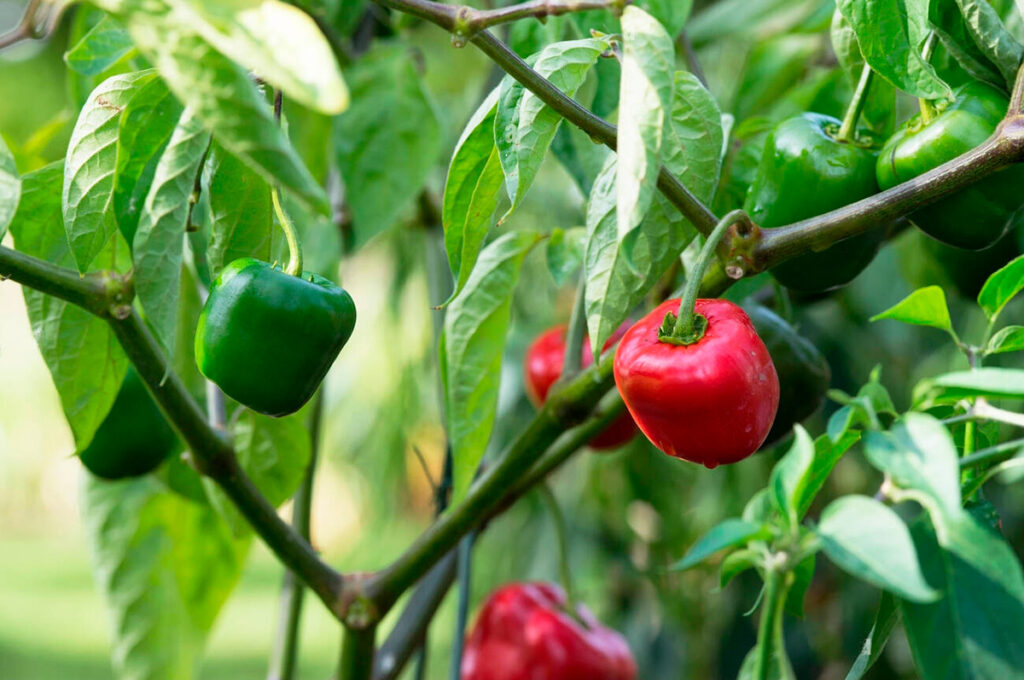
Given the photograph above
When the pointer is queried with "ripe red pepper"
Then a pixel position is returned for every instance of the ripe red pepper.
(523, 632)
(543, 366)
(710, 402)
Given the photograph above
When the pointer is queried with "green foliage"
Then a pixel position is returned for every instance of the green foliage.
(239, 211)
(10, 188)
(104, 45)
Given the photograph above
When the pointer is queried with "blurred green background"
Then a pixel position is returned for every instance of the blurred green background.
(632, 512)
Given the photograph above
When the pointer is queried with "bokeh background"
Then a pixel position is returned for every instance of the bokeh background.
(632, 512)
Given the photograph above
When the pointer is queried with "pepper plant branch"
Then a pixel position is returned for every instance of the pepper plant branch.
(469, 20)
(38, 21)
(599, 129)
(357, 652)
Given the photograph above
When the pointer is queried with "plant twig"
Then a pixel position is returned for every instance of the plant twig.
(464, 574)
(39, 21)
(357, 652)
(469, 20)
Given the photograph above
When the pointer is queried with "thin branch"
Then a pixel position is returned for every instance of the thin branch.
(469, 20)
(993, 454)
(357, 652)
(464, 574)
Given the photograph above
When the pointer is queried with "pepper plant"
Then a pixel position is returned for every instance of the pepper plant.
(227, 159)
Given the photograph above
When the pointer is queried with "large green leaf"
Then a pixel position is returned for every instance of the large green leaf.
(165, 566)
(387, 142)
(85, 361)
(620, 272)
(949, 25)
(223, 97)
(472, 345)
(159, 241)
(104, 45)
(10, 187)
(275, 40)
(974, 631)
(872, 543)
(645, 98)
(143, 132)
(990, 36)
(240, 212)
(919, 454)
(471, 191)
(890, 33)
(524, 126)
(90, 165)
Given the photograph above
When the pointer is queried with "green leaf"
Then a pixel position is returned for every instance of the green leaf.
(10, 188)
(924, 307)
(890, 34)
(645, 98)
(991, 37)
(274, 453)
(879, 109)
(620, 273)
(471, 192)
(948, 22)
(471, 349)
(388, 142)
(748, 18)
(727, 534)
(1009, 339)
(886, 618)
(869, 541)
(279, 42)
(104, 45)
(565, 253)
(143, 132)
(240, 212)
(735, 563)
(89, 377)
(1001, 287)
(159, 241)
(165, 566)
(993, 383)
(919, 454)
(90, 165)
(672, 14)
(225, 99)
(803, 574)
(974, 631)
(524, 126)
(789, 476)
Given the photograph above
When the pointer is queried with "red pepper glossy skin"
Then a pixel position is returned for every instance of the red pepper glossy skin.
(712, 402)
(543, 366)
(524, 633)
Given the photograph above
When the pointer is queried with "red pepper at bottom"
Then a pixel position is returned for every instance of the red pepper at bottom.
(711, 402)
(523, 632)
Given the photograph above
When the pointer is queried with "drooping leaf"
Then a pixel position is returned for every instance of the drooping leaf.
(924, 307)
(387, 142)
(240, 212)
(886, 618)
(890, 34)
(104, 45)
(524, 126)
(919, 454)
(279, 42)
(645, 99)
(165, 566)
(471, 192)
(90, 165)
(729, 533)
(89, 377)
(10, 187)
(1001, 287)
(872, 543)
(949, 25)
(992, 38)
(471, 349)
(974, 631)
(565, 253)
(143, 132)
(159, 241)
(223, 97)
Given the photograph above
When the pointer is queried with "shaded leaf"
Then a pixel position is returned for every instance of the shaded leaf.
(1001, 287)
(886, 618)
(104, 45)
(240, 212)
(728, 533)
(565, 253)
(10, 188)
(993, 383)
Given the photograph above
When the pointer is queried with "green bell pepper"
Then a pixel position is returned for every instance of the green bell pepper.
(134, 438)
(974, 217)
(804, 374)
(268, 338)
(806, 171)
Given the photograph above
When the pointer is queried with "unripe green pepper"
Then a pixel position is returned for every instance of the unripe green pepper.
(134, 438)
(974, 217)
(804, 374)
(806, 171)
(268, 338)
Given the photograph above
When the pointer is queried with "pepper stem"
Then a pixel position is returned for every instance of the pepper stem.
(558, 519)
(848, 129)
(927, 108)
(294, 249)
(688, 327)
